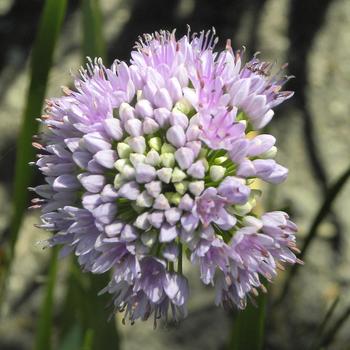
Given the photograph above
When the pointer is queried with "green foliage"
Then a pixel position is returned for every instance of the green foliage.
(83, 306)
(83, 318)
(88, 340)
(72, 339)
(248, 326)
(93, 42)
(44, 328)
(41, 62)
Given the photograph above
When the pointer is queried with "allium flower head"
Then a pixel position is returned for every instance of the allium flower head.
(151, 161)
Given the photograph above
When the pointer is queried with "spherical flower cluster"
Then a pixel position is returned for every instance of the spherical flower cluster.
(152, 162)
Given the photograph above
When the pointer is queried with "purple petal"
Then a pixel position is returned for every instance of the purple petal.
(113, 128)
(156, 218)
(234, 190)
(92, 183)
(176, 136)
(130, 190)
(145, 173)
(168, 233)
(184, 157)
(144, 108)
(171, 252)
(129, 233)
(133, 127)
(173, 215)
(105, 213)
(163, 99)
(95, 142)
(260, 144)
(161, 203)
(186, 203)
(66, 183)
(81, 159)
(114, 228)
(197, 170)
(106, 158)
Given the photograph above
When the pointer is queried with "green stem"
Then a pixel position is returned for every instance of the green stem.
(248, 327)
(179, 261)
(44, 328)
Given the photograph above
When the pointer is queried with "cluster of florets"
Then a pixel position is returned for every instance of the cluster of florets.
(152, 162)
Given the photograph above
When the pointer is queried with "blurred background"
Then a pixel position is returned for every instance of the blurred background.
(313, 133)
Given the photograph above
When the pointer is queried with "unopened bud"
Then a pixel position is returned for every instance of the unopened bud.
(137, 158)
(217, 172)
(178, 175)
(196, 187)
(181, 187)
(168, 160)
(123, 150)
(152, 158)
(155, 143)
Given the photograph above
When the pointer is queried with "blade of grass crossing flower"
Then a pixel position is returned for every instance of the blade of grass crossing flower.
(248, 326)
(104, 334)
(93, 41)
(41, 62)
(331, 195)
(44, 329)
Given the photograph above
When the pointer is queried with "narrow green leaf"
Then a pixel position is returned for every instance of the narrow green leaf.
(85, 307)
(248, 326)
(41, 62)
(95, 314)
(326, 206)
(88, 340)
(93, 41)
(44, 328)
(72, 339)
(105, 330)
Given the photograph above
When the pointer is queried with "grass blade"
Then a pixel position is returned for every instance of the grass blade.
(85, 307)
(248, 326)
(44, 329)
(72, 339)
(41, 62)
(326, 206)
(93, 41)
(88, 340)
(99, 334)
(105, 335)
